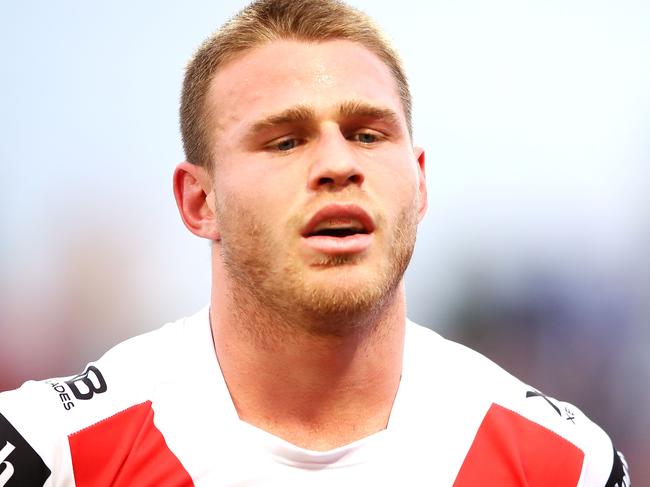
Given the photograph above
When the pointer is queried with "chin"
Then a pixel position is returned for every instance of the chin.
(345, 291)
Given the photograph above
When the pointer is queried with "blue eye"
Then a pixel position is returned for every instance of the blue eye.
(285, 145)
(366, 138)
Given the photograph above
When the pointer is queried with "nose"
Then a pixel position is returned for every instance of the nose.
(335, 165)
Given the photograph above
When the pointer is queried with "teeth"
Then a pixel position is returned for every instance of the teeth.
(339, 223)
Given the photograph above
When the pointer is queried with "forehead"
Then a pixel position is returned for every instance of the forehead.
(285, 73)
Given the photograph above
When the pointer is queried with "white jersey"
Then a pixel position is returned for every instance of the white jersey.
(155, 411)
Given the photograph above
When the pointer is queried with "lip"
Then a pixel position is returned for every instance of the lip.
(350, 244)
(339, 212)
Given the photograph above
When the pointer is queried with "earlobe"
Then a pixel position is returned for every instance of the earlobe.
(422, 183)
(195, 201)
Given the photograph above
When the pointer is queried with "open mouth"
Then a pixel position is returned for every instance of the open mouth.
(336, 232)
(339, 229)
(339, 221)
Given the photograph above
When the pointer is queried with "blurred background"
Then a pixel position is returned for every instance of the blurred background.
(536, 121)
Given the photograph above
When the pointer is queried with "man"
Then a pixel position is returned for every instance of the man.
(296, 120)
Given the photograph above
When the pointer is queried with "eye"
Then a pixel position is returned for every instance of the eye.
(366, 137)
(286, 144)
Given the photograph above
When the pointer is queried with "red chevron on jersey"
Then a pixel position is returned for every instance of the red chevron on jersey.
(510, 450)
(123, 450)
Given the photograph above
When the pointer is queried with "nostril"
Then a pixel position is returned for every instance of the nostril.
(355, 179)
(331, 179)
(325, 180)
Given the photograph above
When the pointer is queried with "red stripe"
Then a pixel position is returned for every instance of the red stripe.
(510, 450)
(126, 450)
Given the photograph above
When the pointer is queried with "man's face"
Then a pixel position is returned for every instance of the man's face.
(317, 188)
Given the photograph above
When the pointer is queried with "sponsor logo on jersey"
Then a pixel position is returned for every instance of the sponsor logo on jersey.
(66, 400)
(20, 465)
(569, 415)
(83, 387)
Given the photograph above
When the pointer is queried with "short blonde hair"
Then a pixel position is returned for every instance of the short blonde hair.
(264, 21)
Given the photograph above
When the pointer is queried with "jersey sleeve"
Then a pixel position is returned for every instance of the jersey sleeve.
(58, 432)
(38, 419)
(42, 420)
(602, 464)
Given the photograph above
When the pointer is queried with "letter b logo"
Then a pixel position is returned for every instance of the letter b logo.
(85, 386)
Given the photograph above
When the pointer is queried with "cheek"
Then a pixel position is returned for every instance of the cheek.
(266, 181)
(398, 184)
(249, 216)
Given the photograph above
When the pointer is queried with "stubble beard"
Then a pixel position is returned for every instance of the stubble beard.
(294, 299)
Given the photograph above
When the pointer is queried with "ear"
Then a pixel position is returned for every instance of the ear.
(194, 198)
(422, 183)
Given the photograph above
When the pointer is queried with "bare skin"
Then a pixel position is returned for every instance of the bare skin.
(309, 335)
(313, 391)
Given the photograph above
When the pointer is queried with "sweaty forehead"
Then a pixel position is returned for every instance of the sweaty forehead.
(284, 73)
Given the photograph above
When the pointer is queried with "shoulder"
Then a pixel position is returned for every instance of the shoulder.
(43, 416)
(125, 374)
(513, 419)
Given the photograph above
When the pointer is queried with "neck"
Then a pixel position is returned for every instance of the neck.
(294, 378)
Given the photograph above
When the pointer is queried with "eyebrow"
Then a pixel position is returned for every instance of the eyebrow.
(299, 113)
(360, 109)
(306, 114)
